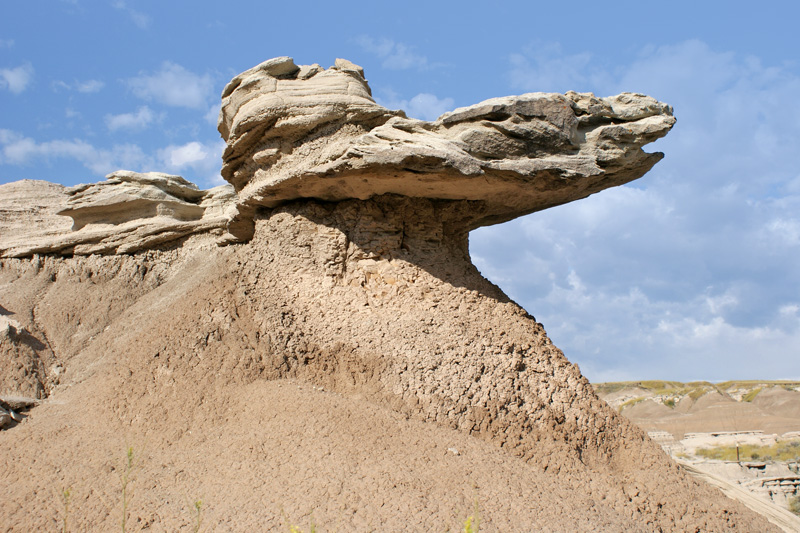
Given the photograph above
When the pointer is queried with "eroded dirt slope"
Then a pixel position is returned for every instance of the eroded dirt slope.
(204, 360)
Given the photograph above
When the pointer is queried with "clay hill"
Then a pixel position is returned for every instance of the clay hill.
(771, 407)
(312, 342)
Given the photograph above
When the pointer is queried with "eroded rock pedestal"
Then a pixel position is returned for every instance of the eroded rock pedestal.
(349, 344)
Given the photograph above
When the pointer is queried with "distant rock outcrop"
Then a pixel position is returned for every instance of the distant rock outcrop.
(128, 212)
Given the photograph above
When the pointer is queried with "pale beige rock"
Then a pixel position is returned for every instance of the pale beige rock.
(322, 136)
(129, 211)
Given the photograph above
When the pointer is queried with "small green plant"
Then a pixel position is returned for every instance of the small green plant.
(125, 479)
(750, 396)
(473, 522)
(670, 403)
(312, 527)
(66, 494)
(198, 508)
(794, 505)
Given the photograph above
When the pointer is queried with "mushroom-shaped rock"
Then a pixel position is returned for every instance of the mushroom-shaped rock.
(303, 132)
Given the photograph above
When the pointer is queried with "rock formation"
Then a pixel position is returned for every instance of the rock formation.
(304, 132)
(354, 278)
(126, 213)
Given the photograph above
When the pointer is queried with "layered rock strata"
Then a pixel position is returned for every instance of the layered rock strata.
(304, 132)
(128, 212)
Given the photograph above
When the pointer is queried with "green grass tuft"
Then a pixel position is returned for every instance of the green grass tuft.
(781, 451)
(750, 396)
(794, 505)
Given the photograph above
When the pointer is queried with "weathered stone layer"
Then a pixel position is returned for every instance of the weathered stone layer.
(303, 132)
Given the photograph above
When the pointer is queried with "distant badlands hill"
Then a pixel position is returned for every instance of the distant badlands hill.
(700, 407)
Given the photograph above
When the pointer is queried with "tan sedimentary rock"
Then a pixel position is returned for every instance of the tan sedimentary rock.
(355, 279)
(303, 132)
(129, 211)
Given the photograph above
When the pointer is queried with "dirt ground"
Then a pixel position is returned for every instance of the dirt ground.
(209, 363)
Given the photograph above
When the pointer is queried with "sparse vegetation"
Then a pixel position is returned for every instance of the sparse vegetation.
(750, 396)
(66, 494)
(794, 505)
(631, 403)
(473, 522)
(670, 403)
(781, 451)
(125, 479)
(198, 508)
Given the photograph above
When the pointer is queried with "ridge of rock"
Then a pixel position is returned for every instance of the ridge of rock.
(127, 212)
(303, 132)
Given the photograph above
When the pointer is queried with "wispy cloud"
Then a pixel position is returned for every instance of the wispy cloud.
(141, 20)
(6, 43)
(16, 149)
(198, 161)
(87, 86)
(546, 67)
(203, 159)
(17, 79)
(395, 55)
(424, 106)
(174, 85)
(131, 121)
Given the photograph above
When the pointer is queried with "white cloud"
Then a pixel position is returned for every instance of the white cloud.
(6, 43)
(212, 116)
(197, 161)
(173, 85)
(395, 56)
(691, 271)
(16, 79)
(423, 106)
(202, 159)
(131, 121)
(141, 20)
(89, 86)
(16, 149)
(545, 67)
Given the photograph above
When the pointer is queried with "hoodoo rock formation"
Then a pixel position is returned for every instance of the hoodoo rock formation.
(344, 357)
(304, 132)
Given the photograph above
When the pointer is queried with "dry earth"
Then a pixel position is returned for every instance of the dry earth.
(193, 356)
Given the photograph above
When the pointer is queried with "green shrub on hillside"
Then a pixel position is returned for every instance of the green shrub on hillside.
(794, 505)
(750, 396)
(781, 451)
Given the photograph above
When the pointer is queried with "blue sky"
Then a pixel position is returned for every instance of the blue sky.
(689, 273)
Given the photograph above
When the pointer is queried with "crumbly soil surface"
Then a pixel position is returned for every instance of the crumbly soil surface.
(348, 364)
